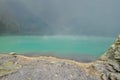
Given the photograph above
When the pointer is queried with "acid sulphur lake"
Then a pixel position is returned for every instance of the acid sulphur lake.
(73, 47)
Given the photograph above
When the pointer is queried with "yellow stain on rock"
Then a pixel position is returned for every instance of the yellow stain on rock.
(8, 68)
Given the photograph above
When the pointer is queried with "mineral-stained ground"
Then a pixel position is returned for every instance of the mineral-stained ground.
(18, 67)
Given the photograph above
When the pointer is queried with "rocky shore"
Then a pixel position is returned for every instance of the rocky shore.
(18, 67)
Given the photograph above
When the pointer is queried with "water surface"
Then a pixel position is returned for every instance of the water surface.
(55, 45)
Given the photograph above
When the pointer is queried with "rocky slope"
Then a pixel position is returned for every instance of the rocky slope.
(18, 67)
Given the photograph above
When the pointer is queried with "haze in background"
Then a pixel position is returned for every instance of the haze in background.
(60, 17)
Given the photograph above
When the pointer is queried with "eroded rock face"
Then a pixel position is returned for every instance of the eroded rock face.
(110, 62)
(113, 52)
(17, 67)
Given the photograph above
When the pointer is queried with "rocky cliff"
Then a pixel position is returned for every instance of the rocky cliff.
(18, 67)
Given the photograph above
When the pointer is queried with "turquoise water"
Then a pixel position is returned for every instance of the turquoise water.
(59, 45)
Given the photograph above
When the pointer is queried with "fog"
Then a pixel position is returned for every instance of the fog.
(63, 17)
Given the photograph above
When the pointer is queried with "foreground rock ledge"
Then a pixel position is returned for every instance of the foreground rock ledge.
(18, 67)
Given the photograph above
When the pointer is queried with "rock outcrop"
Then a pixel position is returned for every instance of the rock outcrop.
(18, 67)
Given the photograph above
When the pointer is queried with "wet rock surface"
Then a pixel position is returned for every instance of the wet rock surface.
(18, 67)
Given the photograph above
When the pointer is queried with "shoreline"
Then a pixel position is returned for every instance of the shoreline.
(75, 57)
(20, 67)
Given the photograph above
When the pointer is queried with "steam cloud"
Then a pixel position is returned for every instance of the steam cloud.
(66, 17)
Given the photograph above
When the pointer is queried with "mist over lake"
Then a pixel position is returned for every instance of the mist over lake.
(64, 28)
